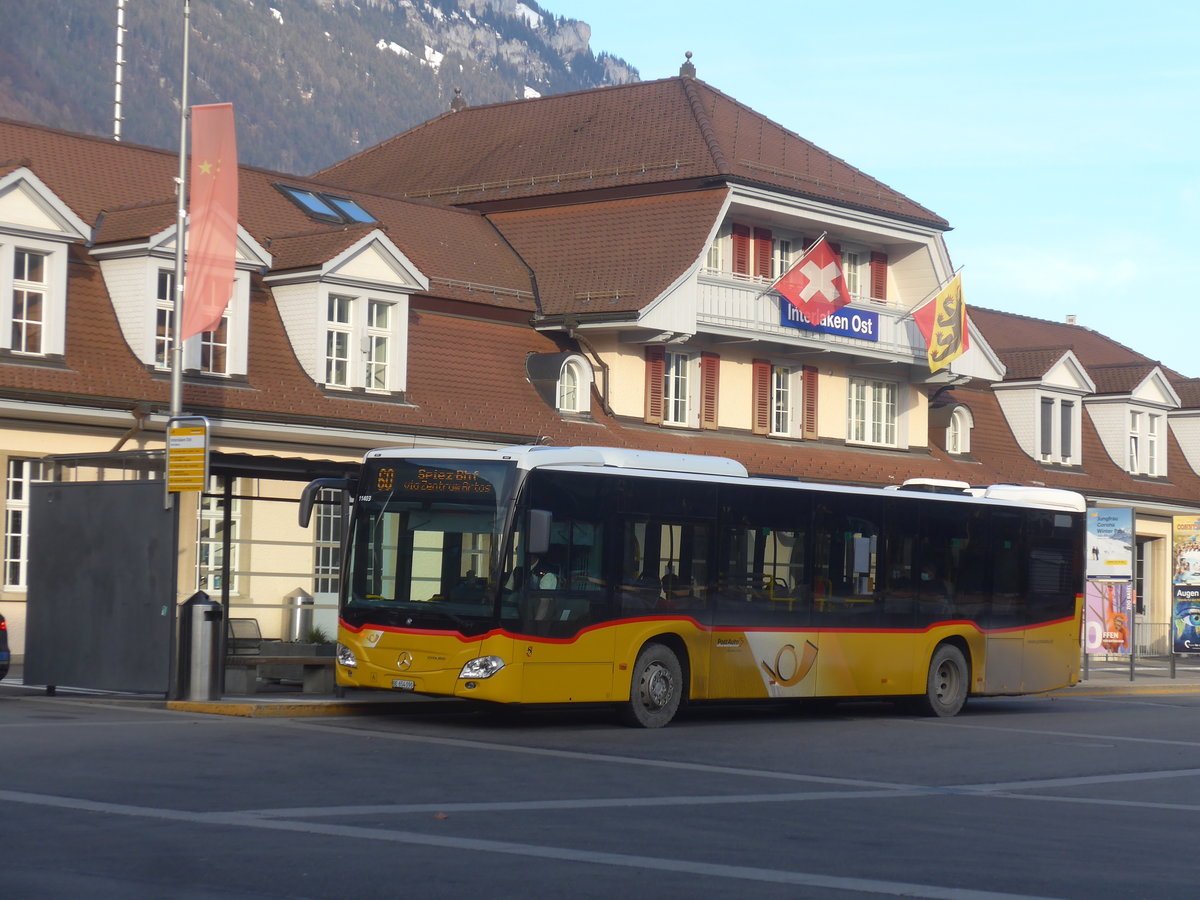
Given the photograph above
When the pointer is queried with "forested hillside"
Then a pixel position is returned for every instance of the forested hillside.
(312, 81)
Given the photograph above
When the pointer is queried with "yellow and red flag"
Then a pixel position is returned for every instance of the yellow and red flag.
(212, 218)
(943, 324)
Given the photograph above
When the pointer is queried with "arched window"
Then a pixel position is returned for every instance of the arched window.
(574, 385)
(958, 432)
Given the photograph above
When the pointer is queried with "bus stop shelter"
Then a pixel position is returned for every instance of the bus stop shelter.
(110, 560)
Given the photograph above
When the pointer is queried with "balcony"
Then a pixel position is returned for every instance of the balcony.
(734, 307)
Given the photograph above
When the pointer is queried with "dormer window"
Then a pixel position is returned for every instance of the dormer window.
(1058, 431)
(1144, 444)
(28, 300)
(361, 342)
(326, 207)
(574, 386)
(958, 432)
(36, 231)
(211, 352)
(32, 296)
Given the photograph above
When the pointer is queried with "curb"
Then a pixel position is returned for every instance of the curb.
(305, 708)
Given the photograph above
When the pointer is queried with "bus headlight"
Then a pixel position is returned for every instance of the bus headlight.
(346, 657)
(482, 667)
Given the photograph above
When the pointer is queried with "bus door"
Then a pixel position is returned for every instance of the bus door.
(761, 641)
(554, 604)
(1055, 573)
(1009, 614)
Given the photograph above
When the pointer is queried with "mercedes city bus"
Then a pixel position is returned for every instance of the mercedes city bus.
(544, 575)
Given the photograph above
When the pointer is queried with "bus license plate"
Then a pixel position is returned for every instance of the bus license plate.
(403, 684)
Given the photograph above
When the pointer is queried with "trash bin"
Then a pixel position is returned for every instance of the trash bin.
(299, 605)
(200, 647)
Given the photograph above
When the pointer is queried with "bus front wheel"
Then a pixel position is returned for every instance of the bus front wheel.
(657, 688)
(946, 686)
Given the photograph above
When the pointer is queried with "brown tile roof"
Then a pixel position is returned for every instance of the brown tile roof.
(649, 133)
(614, 256)
(1033, 363)
(1009, 331)
(1188, 390)
(127, 190)
(1120, 379)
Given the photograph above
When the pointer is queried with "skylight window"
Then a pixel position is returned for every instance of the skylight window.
(326, 207)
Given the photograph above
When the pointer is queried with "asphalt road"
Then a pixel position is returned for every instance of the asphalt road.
(1069, 797)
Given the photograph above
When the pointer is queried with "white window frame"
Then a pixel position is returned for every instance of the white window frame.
(327, 541)
(852, 272)
(785, 396)
(958, 432)
(873, 412)
(1054, 447)
(362, 338)
(53, 289)
(164, 317)
(228, 343)
(783, 258)
(573, 392)
(20, 475)
(377, 344)
(209, 540)
(1144, 454)
(680, 377)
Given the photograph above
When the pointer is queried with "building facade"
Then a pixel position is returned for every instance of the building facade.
(589, 268)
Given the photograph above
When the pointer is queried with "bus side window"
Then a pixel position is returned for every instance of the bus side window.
(663, 566)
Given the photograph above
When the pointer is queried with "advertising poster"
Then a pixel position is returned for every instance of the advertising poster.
(1186, 585)
(1110, 543)
(1108, 609)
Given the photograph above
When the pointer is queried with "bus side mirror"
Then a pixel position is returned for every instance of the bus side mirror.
(308, 497)
(538, 539)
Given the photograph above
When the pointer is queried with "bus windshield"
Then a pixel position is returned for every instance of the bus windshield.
(424, 544)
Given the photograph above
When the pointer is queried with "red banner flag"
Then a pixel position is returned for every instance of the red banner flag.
(814, 285)
(212, 219)
(943, 324)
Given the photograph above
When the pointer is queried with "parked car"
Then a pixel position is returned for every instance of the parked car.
(4, 654)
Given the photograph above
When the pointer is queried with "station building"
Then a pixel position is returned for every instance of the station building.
(588, 268)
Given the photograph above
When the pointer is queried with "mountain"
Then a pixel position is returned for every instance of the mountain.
(311, 81)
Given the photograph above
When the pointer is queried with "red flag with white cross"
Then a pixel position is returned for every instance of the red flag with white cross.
(815, 285)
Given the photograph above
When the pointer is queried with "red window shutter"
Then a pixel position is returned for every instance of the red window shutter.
(760, 417)
(878, 275)
(655, 370)
(741, 249)
(710, 377)
(763, 246)
(809, 387)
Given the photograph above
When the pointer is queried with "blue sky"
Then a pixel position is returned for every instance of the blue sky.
(1060, 139)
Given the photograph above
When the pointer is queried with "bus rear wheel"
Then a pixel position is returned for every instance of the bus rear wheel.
(946, 685)
(657, 688)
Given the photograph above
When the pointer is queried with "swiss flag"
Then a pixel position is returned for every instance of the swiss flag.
(814, 285)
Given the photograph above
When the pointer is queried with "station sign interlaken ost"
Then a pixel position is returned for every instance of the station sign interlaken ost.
(854, 323)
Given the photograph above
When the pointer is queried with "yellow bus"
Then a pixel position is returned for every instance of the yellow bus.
(542, 575)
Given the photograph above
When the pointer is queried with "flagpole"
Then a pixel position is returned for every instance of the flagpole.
(941, 286)
(180, 226)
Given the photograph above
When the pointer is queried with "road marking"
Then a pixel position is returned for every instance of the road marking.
(1074, 735)
(678, 765)
(531, 851)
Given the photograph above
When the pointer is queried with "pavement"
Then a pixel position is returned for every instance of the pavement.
(1111, 676)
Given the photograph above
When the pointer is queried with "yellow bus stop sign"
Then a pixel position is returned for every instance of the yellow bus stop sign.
(187, 454)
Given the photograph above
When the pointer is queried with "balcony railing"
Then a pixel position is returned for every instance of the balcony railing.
(736, 305)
